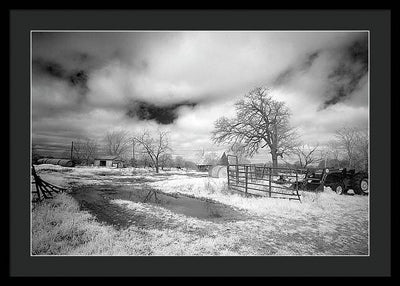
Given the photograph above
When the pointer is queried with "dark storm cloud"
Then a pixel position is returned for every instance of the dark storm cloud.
(348, 72)
(75, 60)
(358, 50)
(79, 79)
(161, 114)
(292, 71)
(307, 63)
(93, 50)
(50, 68)
(75, 78)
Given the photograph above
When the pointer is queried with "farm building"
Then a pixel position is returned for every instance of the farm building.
(205, 162)
(224, 160)
(203, 167)
(109, 161)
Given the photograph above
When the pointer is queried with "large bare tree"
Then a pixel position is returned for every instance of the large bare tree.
(239, 150)
(117, 142)
(260, 122)
(155, 146)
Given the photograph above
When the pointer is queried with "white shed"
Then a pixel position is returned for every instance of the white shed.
(109, 161)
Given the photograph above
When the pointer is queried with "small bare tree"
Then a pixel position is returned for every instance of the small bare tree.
(334, 149)
(209, 158)
(260, 122)
(179, 161)
(306, 155)
(362, 149)
(354, 142)
(84, 150)
(155, 146)
(165, 160)
(117, 142)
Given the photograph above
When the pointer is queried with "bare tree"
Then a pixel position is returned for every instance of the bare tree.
(260, 122)
(211, 158)
(179, 161)
(117, 142)
(239, 150)
(362, 149)
(334, 149)
(354, 142)
(143, 160)
(84, 150)
(165, 160)
(307, 155)
(155, 147)
(334, 154)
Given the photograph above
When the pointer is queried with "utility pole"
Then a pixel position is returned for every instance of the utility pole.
(133, 152)
(72, 148)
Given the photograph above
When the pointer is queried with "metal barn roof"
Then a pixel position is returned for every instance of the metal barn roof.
(109, 157)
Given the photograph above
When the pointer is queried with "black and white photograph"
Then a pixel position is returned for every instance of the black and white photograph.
(200, 143)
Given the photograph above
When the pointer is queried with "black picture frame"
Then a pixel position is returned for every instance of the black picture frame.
(378, 22)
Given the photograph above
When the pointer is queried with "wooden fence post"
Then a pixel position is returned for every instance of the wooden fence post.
(237, 174)
(269, 180)
(322, 183)
(297, 186)
(227, 171)
(246, 175)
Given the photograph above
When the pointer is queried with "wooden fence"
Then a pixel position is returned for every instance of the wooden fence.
(43, 190)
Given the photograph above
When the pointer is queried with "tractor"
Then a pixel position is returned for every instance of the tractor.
(342, 180)
(339, 180)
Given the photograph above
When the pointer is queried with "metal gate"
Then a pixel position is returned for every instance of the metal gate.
(283, 183)
(260, 180)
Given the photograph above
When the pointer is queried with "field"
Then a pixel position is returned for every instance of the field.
(131, 211)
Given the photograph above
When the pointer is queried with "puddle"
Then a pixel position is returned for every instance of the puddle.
(192, 175)
(97, 200)
(116, 179)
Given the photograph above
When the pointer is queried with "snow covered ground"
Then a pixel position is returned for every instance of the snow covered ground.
(322, 224)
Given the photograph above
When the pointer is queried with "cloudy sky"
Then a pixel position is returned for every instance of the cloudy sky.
(87, 83)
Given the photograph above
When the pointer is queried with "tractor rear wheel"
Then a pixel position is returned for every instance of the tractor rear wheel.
(338, 188)
(361, 184)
